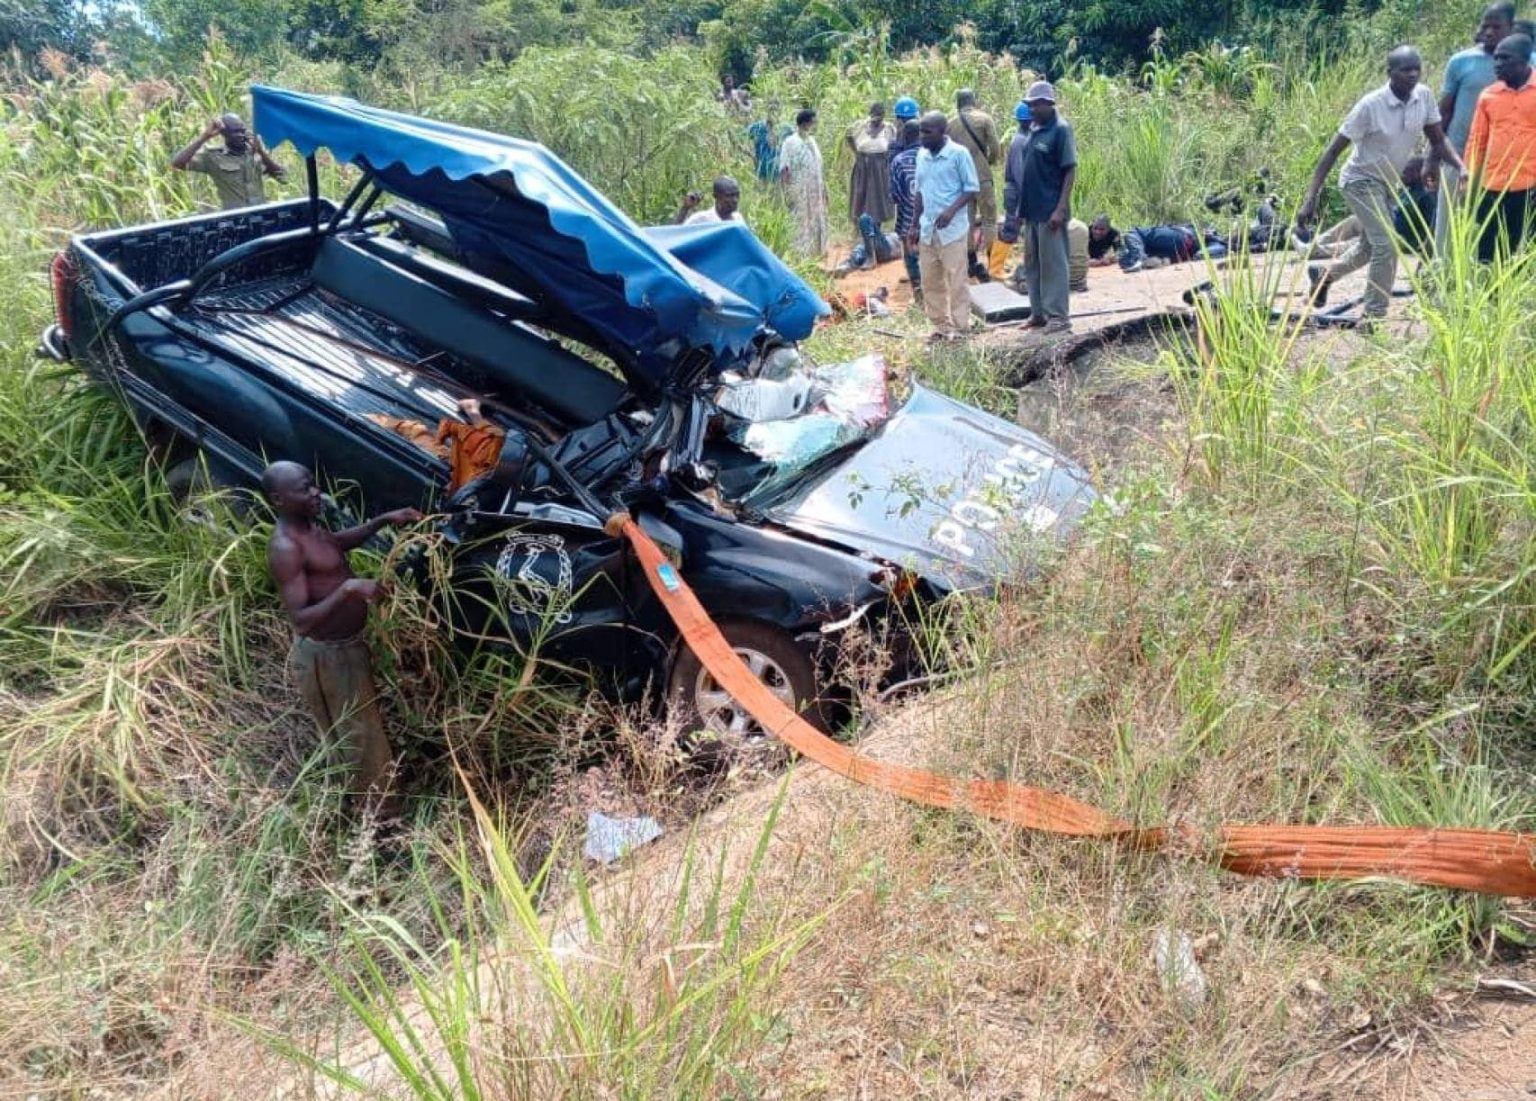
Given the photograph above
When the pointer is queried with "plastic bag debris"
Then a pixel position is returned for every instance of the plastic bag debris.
(608, 839)
(1177, 967)
(763, 399)
(857, 391)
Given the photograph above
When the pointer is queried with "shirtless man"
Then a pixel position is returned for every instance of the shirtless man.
(329, 608)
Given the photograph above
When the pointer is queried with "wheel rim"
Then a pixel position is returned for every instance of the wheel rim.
(722, 715)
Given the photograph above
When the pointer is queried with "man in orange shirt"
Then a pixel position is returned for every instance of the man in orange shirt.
(1501, 150)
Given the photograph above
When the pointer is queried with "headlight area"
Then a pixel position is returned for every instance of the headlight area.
(872, 639)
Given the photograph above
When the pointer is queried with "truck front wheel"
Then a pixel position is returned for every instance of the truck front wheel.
(709, 714)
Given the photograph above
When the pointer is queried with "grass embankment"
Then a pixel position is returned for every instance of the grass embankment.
(1313, 604)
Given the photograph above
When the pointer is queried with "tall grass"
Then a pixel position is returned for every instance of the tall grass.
(1423, 445)
(644, 991)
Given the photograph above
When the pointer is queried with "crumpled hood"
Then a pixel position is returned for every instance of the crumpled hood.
(964, 498)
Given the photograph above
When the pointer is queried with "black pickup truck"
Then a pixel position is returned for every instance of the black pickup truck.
(652, 369)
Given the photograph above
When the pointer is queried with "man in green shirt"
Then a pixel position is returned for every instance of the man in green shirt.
(238, 169)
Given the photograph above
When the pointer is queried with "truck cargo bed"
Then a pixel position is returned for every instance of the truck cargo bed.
(334, 350)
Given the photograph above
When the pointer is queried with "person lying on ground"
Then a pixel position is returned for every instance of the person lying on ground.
(328, 607)
(1103, 242)
(1384, 127)
(238, 170)
(872, 248)
(1149, 246)
(725, 208)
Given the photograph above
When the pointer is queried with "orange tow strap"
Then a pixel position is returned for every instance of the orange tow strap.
(1471, 860)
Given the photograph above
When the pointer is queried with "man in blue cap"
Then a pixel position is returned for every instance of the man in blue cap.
(906, 110)
(904, 194)
(1037, 200)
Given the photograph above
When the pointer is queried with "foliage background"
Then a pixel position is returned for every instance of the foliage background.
(401, 35)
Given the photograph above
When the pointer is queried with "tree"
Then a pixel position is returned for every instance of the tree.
(253, 28)
(28, 26)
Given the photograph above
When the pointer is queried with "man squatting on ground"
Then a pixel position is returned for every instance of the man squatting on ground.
(1384, 127)
(329, 609)
(238, 170)
(946, 184)
(1149, 246)
(1037, 196)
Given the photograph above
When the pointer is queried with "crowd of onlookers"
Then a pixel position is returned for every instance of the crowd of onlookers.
(922, 185)
(930, 178)
(1480, 139)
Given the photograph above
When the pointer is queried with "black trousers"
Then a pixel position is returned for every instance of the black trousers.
(1506, 218)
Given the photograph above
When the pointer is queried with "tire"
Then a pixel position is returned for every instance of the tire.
(699, 705)
(191, 484)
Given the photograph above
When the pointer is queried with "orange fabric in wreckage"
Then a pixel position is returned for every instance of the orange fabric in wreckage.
(411, 431)
(1472, 860)
(473, 450)
(470, 450)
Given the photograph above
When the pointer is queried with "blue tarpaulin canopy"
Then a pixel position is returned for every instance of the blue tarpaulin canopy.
(645, 294)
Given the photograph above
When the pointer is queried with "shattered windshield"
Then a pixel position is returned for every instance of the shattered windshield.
(791, 420)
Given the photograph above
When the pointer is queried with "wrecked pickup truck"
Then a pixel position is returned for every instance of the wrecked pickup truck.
(652, 369)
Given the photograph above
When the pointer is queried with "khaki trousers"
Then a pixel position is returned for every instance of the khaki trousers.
(335, 680)
(1371, 202)
(946, 287)
(983, 210)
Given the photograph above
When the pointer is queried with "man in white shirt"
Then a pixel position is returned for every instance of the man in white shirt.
(1384, 127)
(727, 193)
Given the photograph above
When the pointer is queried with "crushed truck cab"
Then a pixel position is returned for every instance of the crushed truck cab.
(656, 371)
